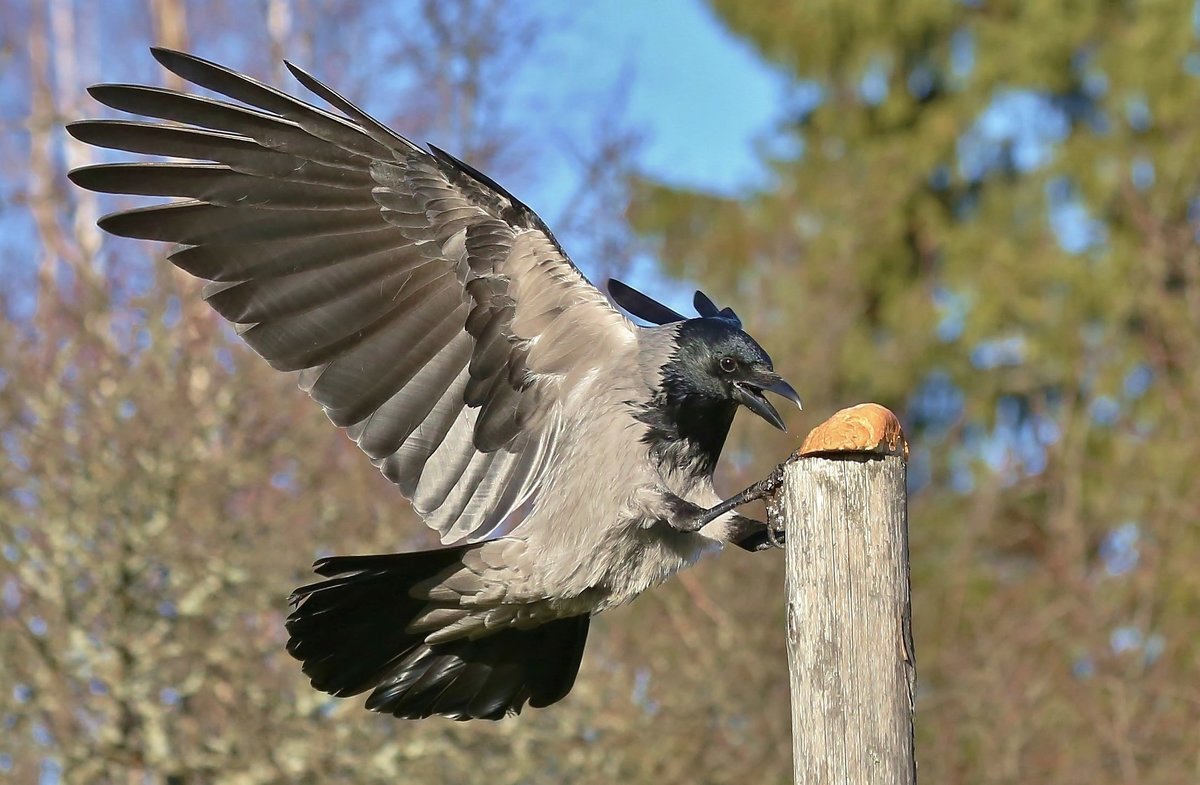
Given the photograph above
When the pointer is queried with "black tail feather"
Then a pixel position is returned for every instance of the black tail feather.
(349, 631)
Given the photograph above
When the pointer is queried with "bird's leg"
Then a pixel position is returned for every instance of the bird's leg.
(753, 493)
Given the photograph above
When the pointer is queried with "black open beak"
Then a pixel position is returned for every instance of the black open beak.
(751, 396)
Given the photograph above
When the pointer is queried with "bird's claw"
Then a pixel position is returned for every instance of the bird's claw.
(776, 536)
(773, 481)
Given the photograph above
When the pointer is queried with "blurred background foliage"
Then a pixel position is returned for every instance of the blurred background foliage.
(983, 214)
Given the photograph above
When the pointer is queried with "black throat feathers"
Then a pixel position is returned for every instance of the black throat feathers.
(689, 432)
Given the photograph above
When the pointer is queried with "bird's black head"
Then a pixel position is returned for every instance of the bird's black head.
(717, 365)
(714, 368)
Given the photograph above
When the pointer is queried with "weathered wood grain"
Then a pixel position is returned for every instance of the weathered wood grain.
(849, 639)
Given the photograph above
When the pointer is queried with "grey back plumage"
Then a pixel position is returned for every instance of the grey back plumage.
(430, 313)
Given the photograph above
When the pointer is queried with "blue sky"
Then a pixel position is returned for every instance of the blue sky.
(701, 95)
(700, 99)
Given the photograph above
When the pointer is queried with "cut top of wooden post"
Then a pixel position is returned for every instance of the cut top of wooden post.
(867, 427)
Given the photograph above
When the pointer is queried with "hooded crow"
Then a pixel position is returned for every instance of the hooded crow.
(563, 454)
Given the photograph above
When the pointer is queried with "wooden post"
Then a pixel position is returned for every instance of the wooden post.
(843, 506)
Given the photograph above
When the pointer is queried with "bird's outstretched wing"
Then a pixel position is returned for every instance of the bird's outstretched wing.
(430, 313)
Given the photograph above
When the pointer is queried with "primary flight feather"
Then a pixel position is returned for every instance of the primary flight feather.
(434, 316)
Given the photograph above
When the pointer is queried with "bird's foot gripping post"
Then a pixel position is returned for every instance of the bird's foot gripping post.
(842, 502)
(759, 490)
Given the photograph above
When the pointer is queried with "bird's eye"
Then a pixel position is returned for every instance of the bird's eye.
(728, 364)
